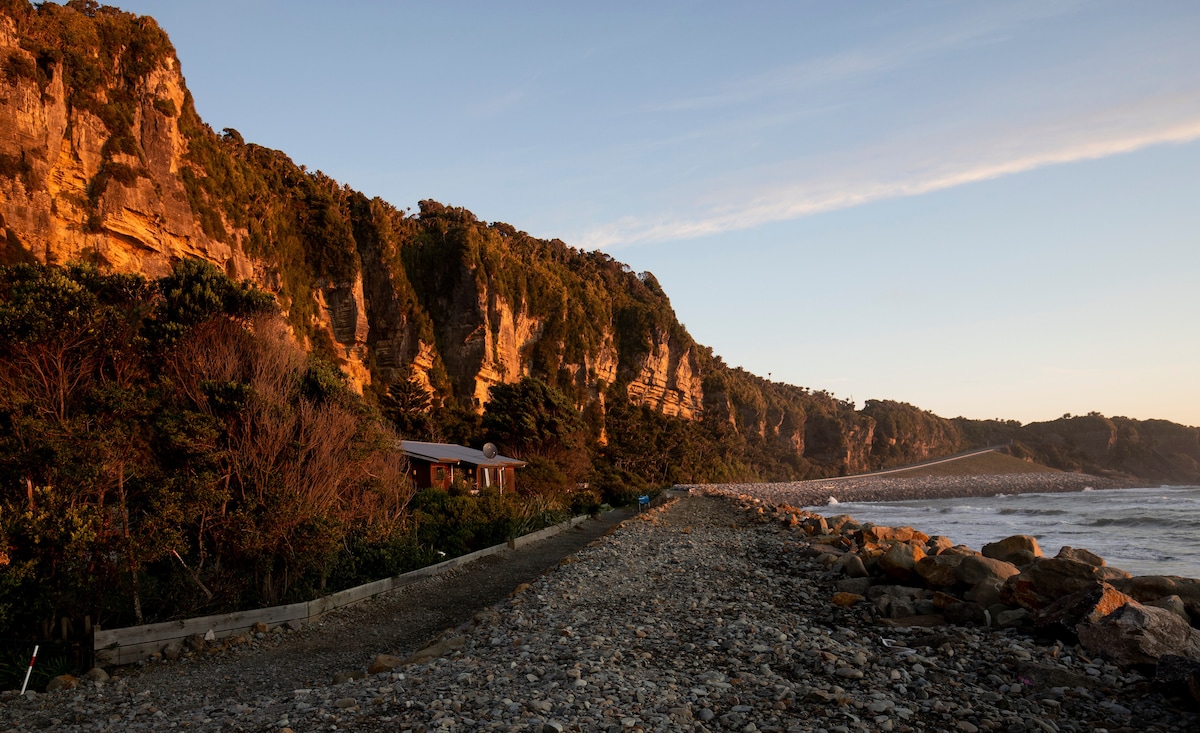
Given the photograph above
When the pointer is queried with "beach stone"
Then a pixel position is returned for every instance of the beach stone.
(1018, 549)
(62, 682)
(195, 642)
(344, 677)
(172, 651)
(1078, 554)
(901, 559)
(938, 570)
(437, 649)
(976, 568)
(845, 600)
(96, 674)
(384, 663)
(1140, 634)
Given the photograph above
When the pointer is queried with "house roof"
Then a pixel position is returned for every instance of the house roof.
(454, 454)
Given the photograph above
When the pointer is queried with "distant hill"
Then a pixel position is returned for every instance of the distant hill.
(104, 160)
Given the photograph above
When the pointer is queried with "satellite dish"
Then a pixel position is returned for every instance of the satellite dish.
(489, 450)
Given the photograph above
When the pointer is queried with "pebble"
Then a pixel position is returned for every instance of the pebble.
(737, 632)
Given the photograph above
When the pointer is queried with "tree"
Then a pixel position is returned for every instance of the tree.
(536, 422)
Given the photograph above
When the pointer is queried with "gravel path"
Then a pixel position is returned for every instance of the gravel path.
(693, 618)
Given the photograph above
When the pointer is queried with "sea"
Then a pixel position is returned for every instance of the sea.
(1145, 531)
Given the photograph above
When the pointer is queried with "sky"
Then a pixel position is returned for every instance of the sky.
(986, 210)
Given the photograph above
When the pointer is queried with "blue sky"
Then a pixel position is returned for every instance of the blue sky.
(987, 210)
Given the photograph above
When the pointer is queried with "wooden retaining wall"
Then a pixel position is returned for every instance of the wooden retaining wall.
(134, 643)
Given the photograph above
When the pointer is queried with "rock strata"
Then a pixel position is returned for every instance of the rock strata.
(707, 616)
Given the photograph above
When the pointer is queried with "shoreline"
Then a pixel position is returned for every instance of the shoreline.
(701, 615)
(875, 488)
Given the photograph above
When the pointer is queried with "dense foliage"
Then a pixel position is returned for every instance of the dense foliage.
(166, 449)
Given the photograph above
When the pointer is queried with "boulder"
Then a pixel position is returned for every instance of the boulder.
(897, 601)
(959, 550)
(1140, 634)
(900, 560)
(1047, 579)
(815, 525)
(1019, 549)
(1179, 675)
(956, 610)
(986, 592)
(976, 568)
(938, 570)
(876, 592)
(1012, 618)
(1084, 606)
(1172, 603)
(937, 544)
(1152, 587)
(1108, 573)
(853, 566)
(854, 585)
(1078, 554)
(872, 534)
(841, 523)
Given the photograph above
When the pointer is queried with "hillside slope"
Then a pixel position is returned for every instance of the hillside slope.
(103, 159)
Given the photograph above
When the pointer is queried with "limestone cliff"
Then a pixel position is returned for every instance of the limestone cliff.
(103, 159)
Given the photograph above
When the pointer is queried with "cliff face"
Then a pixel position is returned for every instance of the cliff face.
(104, 160)
(79, 196)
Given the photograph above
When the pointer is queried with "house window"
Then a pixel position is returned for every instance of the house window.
(439, 474)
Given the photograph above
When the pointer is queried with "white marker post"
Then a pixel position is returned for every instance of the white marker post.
(30, 670)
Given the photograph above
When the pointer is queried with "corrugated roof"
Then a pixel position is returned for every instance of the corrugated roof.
(450, 453)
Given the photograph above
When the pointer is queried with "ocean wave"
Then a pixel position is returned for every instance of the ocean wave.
(1158, 521)
(1008, 512)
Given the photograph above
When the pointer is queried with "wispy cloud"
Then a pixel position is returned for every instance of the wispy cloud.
(900, 173)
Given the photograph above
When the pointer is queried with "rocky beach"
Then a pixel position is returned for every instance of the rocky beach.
(721, 611)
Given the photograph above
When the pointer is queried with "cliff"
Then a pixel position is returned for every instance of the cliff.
(103, 159)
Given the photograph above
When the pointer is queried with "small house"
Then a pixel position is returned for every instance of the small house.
(438, 465)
